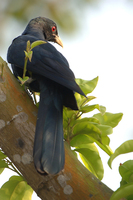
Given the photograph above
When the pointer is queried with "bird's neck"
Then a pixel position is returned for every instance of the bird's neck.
(34, 31)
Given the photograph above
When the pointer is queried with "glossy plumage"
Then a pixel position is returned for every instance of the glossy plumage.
(55, 81)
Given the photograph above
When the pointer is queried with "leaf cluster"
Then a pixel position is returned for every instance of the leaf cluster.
(83, 134)
(16, 187)
(126, 171)
(28, 56)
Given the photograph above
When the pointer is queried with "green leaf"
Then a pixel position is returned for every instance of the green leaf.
(123, 182)
(75, 154)
(29, 55)
(79, 140)
(87, 86)
(91, 159)
(2, 155)
(68, 114)
(130, 197)
(126, 147)
(109, 118)
(123, 192)
(105, 140)
(68, 117)
(37, 43)
(103, 146)
(16, 178)
(16, 188)
(104, 129)
(26, 54)
(81, 100)
(94, 131)
(85, 128)
(23, 80)
(90, 136)
(102, 109)
(87, 119)
(1, 170)
(28, 48)
(3, 164)
(85, 100)
(89, 108)
(126, 171)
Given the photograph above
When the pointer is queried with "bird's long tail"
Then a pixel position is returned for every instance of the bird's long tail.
(48, 151)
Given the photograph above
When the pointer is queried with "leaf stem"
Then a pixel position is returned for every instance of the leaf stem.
(12, 167)
(25, 65)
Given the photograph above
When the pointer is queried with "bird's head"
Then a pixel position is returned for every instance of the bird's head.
(46, 27)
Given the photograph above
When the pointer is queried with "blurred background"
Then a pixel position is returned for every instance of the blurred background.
(98, 41)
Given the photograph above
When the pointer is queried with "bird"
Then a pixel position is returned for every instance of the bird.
(51, 75)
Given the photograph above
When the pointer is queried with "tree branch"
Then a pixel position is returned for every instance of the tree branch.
(17, 127)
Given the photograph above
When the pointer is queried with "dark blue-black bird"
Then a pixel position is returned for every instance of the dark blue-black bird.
(52, 77)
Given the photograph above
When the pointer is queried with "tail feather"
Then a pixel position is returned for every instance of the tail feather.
(48, 151)
(53, 150)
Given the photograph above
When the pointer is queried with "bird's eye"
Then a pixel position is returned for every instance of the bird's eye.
(53, 28)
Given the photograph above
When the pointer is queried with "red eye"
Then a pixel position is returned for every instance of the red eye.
(53, 28)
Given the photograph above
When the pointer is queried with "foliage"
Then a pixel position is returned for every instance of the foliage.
(28, 56)
(15, 188)
(83, 133)
(126, 147)
(126, 171)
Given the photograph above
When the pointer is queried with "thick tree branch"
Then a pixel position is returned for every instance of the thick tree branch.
(17, 127)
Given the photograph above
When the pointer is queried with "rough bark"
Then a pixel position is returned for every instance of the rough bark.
(17, 127)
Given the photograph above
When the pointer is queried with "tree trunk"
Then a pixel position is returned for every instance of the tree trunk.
(17, 127)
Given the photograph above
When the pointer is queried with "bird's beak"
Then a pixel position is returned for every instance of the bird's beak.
(58, 41)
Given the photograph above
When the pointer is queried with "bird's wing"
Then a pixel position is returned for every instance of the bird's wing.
(46, 61)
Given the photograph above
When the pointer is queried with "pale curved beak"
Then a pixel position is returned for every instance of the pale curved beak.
(58, 41)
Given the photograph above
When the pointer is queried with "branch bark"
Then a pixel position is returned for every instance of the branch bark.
(17, 126)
